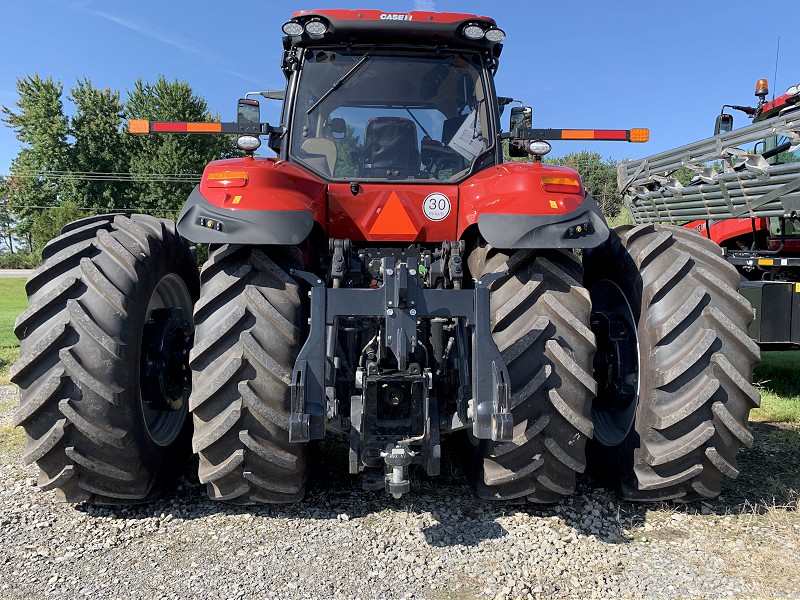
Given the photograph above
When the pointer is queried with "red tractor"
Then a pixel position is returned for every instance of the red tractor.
(386, 277)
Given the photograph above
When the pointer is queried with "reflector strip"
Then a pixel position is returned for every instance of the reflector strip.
(203, 127)
(765, 262)
(611, 134)
(577, 134)
(164, 127)
(630, 135)
(393, 219)
(594, 134)
(227, 179)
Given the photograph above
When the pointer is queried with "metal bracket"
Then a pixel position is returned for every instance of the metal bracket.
(401, 301)
(492, 419)
(308, 406)
(401, 295)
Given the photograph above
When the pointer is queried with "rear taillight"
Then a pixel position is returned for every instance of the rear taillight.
(562, 185)
(226, 179)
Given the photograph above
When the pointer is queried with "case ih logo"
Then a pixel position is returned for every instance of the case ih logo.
(394, 17)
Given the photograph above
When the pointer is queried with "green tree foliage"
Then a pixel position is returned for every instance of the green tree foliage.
(57, 175)
(97, 147)
(52, 220)
(40, 124)
(169, 154)
(347, 151)
(7, 242)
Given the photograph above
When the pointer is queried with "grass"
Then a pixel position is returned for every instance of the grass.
(12, 302)
(778, 381)
(623, 218)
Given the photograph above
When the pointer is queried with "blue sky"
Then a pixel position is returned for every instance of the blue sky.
(664, 65)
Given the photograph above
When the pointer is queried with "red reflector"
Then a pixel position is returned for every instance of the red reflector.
(611, 134)
(168, 127)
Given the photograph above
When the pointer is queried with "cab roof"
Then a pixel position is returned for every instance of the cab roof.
(416, 28)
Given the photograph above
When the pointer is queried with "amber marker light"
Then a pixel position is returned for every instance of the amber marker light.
(224, 179)
(139, 126)
(639, 135)
(561, 185)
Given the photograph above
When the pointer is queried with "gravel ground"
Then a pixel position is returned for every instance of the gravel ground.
(437, 542)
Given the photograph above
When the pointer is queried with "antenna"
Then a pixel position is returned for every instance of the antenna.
(775, 78)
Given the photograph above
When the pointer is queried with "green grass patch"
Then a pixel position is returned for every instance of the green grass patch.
(778, 380)
(12, 302)
(622, 218)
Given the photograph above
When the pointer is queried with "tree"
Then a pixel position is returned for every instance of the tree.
(6, 219)
(347, 149)
(40, 124)
(169, 154)
(97, 147)
(51, 220)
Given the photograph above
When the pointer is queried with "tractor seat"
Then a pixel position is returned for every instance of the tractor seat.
(391, 149)
(322, 153)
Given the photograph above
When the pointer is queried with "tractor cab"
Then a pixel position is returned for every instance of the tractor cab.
(375, 97)
(411, 117)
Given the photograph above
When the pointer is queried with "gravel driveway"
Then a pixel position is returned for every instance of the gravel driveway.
(436, 542)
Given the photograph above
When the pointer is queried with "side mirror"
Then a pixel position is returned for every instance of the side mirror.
(521, 118)
(248, 111)
(724, 124)
(338, 128)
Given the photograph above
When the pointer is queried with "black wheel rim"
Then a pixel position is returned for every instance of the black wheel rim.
(164, 373)
(616, 364)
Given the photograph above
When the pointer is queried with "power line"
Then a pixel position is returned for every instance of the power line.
(99, 211)
(100, 176)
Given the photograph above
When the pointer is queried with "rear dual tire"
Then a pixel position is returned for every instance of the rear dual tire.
(539, 321)
(686, 371)
(250, 327)
(103, 368)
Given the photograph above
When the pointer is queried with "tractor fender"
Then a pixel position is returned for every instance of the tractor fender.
(205, 223)
(585, 227)
(254, 201)
(514, 208)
